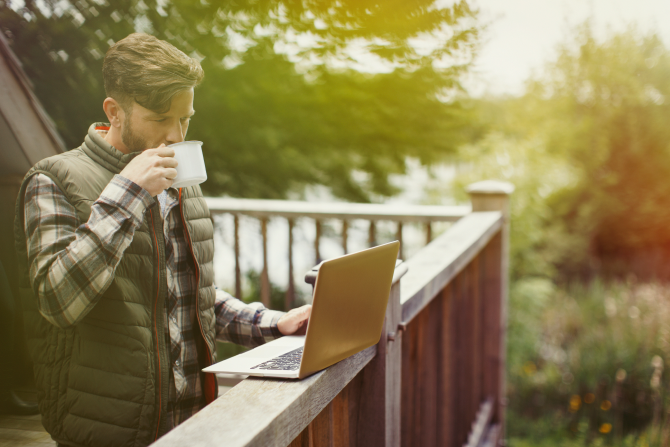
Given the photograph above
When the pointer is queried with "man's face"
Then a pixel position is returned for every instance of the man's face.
(144, 129)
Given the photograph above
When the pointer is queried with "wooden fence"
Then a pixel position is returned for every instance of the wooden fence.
(264, 210)
(435, 378)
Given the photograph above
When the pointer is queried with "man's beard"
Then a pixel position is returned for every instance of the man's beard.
(134, 143)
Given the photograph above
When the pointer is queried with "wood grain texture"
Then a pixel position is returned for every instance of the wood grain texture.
(321, 428)
(408, 392)
(445, 392)
(379, 414)
(494, 348)
(266, 412)
(302, 440)
(434, 266)
(340, 419)
(325, 210)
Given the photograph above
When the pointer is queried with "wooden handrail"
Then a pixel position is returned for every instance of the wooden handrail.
(438, 263)
(270, 412)
(336, 210)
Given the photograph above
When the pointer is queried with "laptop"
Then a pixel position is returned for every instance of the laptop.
(348, 309)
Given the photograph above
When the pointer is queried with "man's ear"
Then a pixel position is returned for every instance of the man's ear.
(114, 112)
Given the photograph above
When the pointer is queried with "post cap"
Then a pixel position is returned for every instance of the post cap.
(490, 187)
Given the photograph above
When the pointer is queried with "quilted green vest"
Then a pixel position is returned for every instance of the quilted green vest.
(104, 381)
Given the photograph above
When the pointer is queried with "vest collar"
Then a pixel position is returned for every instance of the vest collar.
(104, 153)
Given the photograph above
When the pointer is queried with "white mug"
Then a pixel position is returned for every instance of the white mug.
(191, 169)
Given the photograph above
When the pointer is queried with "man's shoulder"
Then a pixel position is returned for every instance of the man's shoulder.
(60, 159)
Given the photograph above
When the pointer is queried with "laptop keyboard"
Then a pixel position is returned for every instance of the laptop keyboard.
(285, 362)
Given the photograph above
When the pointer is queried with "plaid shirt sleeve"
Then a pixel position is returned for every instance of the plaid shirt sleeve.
(71, 265)
(245, 324)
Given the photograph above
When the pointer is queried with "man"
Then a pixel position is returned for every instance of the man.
(121, 312)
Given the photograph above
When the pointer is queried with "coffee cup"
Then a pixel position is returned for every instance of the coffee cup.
(191, 169)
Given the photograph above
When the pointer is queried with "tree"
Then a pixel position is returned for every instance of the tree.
(283, 104)
(589, 147)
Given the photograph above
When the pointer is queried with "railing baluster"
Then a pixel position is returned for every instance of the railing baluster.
(372, 234)
(317, 240)
(265, 280)
(290, 292)
(238, 273)
(345, 230)
(429, 233)
(398, 236)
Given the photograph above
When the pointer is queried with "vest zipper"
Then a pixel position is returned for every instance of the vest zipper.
(210, 383)
(159, 330)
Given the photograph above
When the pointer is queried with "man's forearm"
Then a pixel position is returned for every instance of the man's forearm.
(245, 324)
(72, 265)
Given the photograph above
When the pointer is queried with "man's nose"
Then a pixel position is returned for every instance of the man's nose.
(175, 135)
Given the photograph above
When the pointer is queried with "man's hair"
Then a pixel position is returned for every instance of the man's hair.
(149, 71)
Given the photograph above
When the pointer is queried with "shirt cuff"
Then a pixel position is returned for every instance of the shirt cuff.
(127, 195)
(268, 324)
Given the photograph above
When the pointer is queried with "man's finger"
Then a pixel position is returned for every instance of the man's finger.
(165, 151)
(168, 162)
(169, 173)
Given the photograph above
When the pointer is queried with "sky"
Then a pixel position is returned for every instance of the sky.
(522, 35)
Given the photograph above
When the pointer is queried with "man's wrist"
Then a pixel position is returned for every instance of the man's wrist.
(127, 195)
(271, 319)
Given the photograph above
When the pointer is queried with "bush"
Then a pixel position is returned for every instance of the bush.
(585, 362)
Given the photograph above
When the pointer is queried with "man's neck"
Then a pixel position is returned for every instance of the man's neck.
(113, 137)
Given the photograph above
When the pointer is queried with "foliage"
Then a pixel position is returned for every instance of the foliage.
(284, 102)
(585, 362)
(588, 147)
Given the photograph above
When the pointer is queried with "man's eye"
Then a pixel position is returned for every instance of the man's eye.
(160, 120)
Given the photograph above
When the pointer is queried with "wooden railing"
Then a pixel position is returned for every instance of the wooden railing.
(436, 378)
(319, 212)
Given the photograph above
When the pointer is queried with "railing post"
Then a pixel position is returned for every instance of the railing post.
(345, 231)
(265, 279)
(372, 234)
(238, 274)
(290, 291)
(492, 195)
(317, 243)
(379, 415)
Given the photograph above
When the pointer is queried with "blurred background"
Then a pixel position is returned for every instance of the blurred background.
(408, 102)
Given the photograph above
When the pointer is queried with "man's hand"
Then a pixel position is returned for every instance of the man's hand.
(295, 321)
(154, 169)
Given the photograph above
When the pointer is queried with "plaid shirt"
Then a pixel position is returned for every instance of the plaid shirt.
(61, 250)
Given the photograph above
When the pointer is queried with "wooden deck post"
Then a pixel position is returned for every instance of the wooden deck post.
(317, 243)
(290, 291)
(379, 414)
(238, 272)
(492, 195)
(265, 279)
